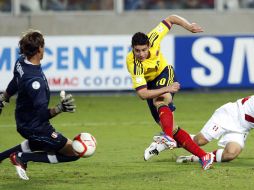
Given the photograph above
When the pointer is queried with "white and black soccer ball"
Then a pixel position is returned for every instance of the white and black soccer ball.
(84, 144)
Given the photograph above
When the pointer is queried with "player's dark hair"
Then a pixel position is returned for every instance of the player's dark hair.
(30, 43)
(139, 38)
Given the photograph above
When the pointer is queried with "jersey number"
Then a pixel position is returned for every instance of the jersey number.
(161, 82)
(215, 128)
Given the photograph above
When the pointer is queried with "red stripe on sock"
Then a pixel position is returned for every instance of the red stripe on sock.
(166, 119)
(214, 159)
(184, 139)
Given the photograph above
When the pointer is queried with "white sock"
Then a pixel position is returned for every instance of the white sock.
(25, 146)
(192, 136)
(52, 158)
(219, 155)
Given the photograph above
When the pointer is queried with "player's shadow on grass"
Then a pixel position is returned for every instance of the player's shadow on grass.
(245, 158)
(171, 158)
(164, 160)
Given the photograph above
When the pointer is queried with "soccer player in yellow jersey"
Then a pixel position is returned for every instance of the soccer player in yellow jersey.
(154, 80)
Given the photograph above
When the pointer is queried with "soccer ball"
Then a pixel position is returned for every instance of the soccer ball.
(84, 144)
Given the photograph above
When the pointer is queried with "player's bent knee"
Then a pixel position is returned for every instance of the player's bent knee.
(227, 157)
(161, 101)
(231, 151)
(159, 104)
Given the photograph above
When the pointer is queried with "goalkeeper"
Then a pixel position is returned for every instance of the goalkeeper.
(32, 115)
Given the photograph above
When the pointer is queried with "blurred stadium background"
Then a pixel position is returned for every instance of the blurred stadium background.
(86, 41)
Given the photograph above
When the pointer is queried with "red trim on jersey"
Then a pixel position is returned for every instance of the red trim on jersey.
(167, 24)
(249, 118)
(245, 99)
(141, 87)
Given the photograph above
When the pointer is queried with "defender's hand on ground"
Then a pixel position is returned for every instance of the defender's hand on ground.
(67, 103)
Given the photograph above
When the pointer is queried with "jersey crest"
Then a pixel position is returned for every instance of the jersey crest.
(36, 85)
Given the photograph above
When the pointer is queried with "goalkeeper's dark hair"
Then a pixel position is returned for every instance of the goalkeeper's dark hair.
(139, 38)
(30, 43)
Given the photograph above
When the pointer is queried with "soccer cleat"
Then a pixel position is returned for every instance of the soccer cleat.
(161, 142)
(151, 151)
(165, 139)
(207, 161)
(19, 166)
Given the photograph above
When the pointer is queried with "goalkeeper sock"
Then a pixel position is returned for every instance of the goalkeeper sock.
(46, 157)
(7, 153)
(166, 119)
(184, 139)
(23, 147)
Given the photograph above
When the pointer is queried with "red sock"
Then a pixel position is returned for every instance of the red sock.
(214, 152)
(166, 119)
(184, 139)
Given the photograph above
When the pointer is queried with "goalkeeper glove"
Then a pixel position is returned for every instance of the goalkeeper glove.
(3, 101)
(66, 104)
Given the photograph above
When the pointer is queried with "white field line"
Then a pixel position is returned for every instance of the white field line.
(198, 122)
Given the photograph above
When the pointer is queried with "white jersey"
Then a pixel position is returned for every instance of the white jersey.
(246, 112)
(231, 122)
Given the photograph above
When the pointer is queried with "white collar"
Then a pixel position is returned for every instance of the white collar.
(28, 62)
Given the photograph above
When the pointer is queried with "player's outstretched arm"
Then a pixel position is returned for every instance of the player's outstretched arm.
(192, 27)
(66, 104)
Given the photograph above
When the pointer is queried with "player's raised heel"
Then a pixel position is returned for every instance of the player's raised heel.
(19, 166)
(207, 161)
(161, 143)
(151, 151)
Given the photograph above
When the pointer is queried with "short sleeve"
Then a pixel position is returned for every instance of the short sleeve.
(136, 71)
(158, 33)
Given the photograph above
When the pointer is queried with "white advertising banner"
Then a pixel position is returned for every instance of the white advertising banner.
(80, 63)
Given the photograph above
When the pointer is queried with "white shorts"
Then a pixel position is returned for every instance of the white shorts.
(225, 127)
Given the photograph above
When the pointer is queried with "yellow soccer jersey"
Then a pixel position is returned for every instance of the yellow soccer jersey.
(149, 69)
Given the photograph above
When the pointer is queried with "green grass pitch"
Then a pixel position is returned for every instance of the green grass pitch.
(123, 128)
